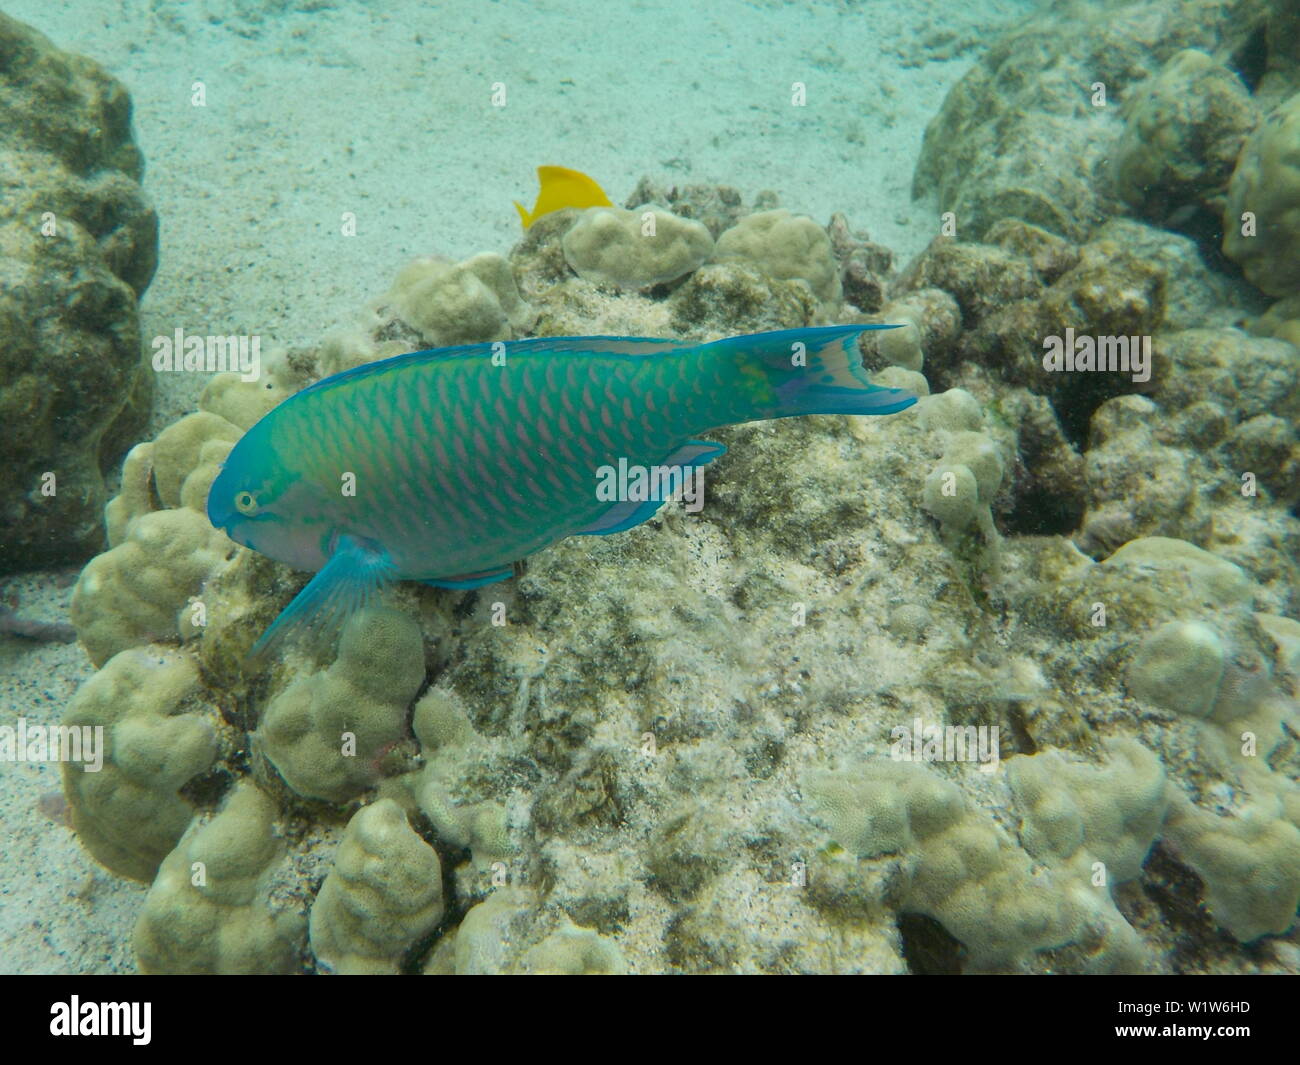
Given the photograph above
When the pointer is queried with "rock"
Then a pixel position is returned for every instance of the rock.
(1266, 186)
(1183, 131)
(1020, 135)
(78, 247)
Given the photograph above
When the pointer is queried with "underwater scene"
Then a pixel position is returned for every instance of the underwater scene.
(654, 488)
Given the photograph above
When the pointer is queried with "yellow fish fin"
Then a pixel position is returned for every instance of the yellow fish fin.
(524, 216)
(562, 187)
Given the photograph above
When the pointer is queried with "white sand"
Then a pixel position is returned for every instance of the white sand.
(384, 110)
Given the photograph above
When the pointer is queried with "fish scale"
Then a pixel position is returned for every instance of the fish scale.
(463, 466)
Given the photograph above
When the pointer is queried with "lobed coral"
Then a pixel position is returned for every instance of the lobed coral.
(635, 249)
(324, 733)
(383, 895)
(1183, 130)
(211, 908)
(159, 737)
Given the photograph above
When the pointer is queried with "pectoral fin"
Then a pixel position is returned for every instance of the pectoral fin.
(346, 583)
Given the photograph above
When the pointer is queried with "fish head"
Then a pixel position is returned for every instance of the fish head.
(257, 504)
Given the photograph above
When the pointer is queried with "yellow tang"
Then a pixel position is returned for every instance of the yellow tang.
(562, 187)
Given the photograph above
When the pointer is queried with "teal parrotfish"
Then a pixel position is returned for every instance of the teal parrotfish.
(449, 466)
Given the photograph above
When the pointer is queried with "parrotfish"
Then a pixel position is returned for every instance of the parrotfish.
(449, 466)
(562, 187)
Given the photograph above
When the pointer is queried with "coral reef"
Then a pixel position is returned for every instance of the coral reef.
(1005, 683)
(1031, 131)
(78, 247)
(600, 771)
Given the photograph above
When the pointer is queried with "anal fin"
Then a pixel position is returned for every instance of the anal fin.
(472, 580)
(629, 513)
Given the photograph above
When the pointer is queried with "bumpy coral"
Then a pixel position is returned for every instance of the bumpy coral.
(1137, 486)
(1246, 846)
(960, 870)
(211, 908)
(431, 303)
(717, 207)
(500, 935)
(1281, 320)
(453, 753)
(78, 247)
(574, 951)
(480, 945)
(1183, 130)
(784, 246)
(1083, 815)
(1179, 667)
(450, 303)
(142, 589)
(927, 320)
(635, 249)
(162, 549)
(722, 296)
(241, 402)
(1027, 130)
(961, 489)
(382, 896)
(1249, 861)
(159, 737)
(326, 731)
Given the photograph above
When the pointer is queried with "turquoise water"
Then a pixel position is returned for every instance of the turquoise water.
(1005, 681)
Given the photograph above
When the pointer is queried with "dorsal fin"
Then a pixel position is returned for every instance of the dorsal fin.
(628, 347)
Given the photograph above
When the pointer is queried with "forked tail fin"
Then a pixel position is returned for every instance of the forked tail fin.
(805, 371)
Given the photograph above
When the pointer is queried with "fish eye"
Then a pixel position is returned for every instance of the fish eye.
(245, 503)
